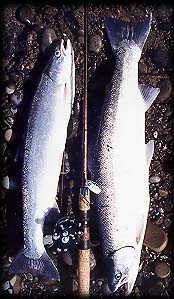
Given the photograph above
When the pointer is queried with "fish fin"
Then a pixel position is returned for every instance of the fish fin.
(119, 31)
(149, 94)
(149, 151)
(43, 266)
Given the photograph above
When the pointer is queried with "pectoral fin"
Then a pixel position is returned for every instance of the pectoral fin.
(149, 94)
(149, 151)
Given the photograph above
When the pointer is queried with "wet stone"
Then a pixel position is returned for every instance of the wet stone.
(16, 284)
(25, 14)
(165, 86)
(154, 179)
(159, 220)
(9, 182)
(8, 134)
(81, 36)
(161, 57)
(163, 193)
(95, 43)
(29, 276)
(9, 87)
(48, 240)
(66, 257)
(155, 238)
(162, 270)
(47, 37)
(167, 222)
(166, 26)
(168, 205)
(105, 289)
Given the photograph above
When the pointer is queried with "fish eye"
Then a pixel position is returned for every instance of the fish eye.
(57, 53)
(118, 276)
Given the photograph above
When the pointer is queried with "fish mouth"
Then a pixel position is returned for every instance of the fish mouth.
(121, 288)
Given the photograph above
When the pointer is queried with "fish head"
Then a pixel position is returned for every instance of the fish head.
(119, 265)
(61, 60)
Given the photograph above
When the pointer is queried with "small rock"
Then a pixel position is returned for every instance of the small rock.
(9, 183)
(47, 37)
(163, 193)
(6, 285)
(66, 257)
(155, 238)
(81, 36)
(165, 87)
(161, 57)
(9, 87)
(95, 43)
(29, 276)
(159, 220)
(105, 289)
(16, 97)
(155, 179)
(8, 134)
(167, 222)
(168, 204)
(155, 134)
(167, 26)
(25, 14)
(15, 283)
(99, 282)
(162, 270)
(155, 291)
(48, 240)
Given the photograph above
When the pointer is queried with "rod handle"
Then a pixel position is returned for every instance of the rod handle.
(84, 272)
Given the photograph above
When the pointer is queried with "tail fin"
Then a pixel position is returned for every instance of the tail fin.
(43, 266)
(119, 31)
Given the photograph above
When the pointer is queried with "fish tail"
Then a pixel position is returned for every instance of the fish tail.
(119, 31)
(43, 266)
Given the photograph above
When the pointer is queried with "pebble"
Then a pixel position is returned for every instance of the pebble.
(167, 222)
(6, 285)
(29, 276)
(81, 36)
(15, 283)
(155, 238)
(9, 183)
(163, 193)
(48, 240)
(3, 146)
(159, 220)
(162, 269)
(47, 37)
(8, 134)
(99, 282)
(154, 179)
(66, 257)
(168, 205)
(95, 43)
(25, 14)
(9, 87)
(16, 97)
(165, 87)
(105, 289)
(161, 57)
(167, 26)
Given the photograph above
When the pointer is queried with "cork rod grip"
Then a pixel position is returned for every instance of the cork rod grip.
(84, 273)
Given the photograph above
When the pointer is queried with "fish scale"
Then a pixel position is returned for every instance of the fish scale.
(121, 161)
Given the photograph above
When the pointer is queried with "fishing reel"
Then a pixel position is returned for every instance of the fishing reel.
(66, 234)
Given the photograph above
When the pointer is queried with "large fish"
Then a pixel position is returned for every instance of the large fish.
(122, 159)
(43, 150)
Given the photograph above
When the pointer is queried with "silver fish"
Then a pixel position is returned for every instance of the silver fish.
(43, 150)
(122, 159)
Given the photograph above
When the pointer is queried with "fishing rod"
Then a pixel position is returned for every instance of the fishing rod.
(84, 198)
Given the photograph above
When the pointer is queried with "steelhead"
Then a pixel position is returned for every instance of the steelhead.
(121, 161)
(43, 150)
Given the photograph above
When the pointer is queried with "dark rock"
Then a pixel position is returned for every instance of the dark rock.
(167, 222)
(155, 238)
(167, 26)
(95, 43)
(16, 97)
(168, 205)
(47, 37)
(162, 269)
(9, 87)
(163, 193)
(25, 14)
(165, 87)
(161, 57)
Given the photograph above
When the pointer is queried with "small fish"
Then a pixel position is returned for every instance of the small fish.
(121, 161)
(43, 151)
